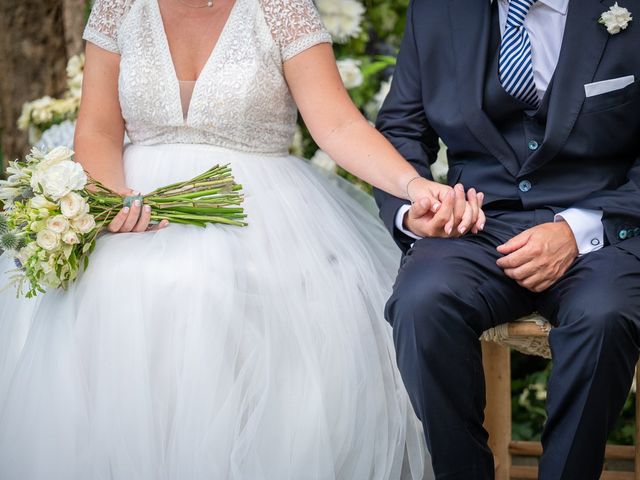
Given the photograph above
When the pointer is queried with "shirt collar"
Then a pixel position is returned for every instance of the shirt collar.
(560, 6)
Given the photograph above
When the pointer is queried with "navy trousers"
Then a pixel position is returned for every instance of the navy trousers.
(450, 290)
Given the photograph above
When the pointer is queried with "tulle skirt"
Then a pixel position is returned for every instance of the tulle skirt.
(219, 353)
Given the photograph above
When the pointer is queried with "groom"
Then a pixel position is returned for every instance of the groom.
(539, 105)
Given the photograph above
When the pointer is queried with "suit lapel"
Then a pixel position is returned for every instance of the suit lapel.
(471, 29)
(582, 48)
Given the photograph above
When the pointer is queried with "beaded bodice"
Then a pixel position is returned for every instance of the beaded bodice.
(240, 100)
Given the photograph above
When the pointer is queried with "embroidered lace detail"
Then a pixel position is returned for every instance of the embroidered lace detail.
(241, 100)
(295, 25)
(104, 23)
(304, 43)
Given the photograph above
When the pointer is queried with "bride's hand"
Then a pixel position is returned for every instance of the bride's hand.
(442, 211)
(134, 219)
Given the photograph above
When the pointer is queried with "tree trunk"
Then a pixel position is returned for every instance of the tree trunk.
(33, 57)
(74, 20)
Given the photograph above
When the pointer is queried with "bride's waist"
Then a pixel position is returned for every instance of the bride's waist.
(150, 151)
(148, 167)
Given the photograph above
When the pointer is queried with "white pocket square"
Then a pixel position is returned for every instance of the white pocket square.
(606, 86)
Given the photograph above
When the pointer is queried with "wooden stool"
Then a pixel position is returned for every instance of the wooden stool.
(529, 336)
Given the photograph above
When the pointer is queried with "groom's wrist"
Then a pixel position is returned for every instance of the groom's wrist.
(400, 223)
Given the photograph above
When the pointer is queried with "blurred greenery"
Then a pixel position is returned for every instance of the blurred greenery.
(530, 376)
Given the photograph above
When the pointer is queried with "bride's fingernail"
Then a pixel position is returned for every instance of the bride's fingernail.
(147, 208)
(137, 203)
(436, 207)
(125, 209)
(482, 226)
(461, 229)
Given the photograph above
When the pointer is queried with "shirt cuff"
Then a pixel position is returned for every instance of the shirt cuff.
(400, 222)
(586, 226)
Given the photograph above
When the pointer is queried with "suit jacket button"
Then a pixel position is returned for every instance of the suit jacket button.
(533, 145)
(525, 186)
(622, 234)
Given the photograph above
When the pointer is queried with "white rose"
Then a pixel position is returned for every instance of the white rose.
(58, 224)
(48, 240)
(72, 205)
(84, 224)
(70, 238)
(350, 73)
(61, 179)
(322, 160)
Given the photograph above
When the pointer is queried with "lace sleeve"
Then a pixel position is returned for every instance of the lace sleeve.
(104, 22)
(295, 25)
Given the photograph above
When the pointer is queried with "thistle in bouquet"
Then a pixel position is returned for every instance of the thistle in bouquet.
(54, 213)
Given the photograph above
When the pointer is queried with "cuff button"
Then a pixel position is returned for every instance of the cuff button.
(595, 242)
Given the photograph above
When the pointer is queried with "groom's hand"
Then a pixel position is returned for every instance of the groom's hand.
(538, 257)
(442, 211)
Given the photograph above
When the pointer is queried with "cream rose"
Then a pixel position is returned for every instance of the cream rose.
(61, 179)
(70, 238)
(72, 205)
(58, 224)
(84, 224)
(48, 240)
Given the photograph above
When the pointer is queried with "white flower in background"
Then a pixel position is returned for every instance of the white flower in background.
(373, 107)
(84, 224)
(61, 134)
(75, 66)
(322, 160)
(25, 116)
(343, 18)
(73, 205)
(382, 94)
(58, 224)
(60, 179)
(48, 240)
(297, 144)
(350, 72)
(70, 238)
(616, 19)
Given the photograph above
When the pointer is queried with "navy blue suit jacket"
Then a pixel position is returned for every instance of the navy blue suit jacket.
(590, 155)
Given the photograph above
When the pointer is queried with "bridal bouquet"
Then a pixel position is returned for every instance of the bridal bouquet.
(54, 212)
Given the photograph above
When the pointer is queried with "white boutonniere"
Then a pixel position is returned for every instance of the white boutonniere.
(616, 19)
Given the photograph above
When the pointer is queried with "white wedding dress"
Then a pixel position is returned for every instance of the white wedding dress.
(257, 353)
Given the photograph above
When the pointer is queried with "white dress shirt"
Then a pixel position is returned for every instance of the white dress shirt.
(545, 24)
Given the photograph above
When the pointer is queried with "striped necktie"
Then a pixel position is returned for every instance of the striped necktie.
(516, 66)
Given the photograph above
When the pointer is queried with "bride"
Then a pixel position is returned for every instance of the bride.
(219, 353)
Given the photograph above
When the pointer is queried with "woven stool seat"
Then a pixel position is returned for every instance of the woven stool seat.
(529, 335)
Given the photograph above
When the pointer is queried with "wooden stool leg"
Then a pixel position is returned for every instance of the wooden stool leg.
(497, 371)
(637, 442)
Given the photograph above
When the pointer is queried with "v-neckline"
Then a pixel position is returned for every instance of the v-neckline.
(172, 66)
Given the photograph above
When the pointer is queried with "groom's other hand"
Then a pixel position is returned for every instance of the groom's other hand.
(540, 256)
(447, 212)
